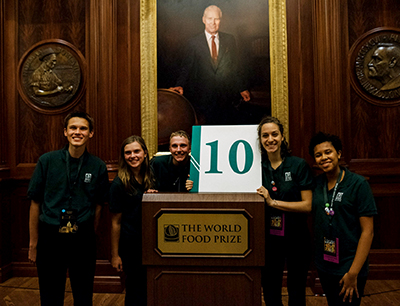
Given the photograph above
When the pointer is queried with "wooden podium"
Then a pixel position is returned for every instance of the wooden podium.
(203, 249)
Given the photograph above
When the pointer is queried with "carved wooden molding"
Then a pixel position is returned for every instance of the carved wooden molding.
(279, 64)
(148, 59)
(148, 73)
(3, 159)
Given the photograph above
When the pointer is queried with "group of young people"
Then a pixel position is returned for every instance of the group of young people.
(342, 206)
(67, 191)
(137, 175)
(69, 186)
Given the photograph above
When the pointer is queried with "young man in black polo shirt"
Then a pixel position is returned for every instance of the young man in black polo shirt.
(172, 171)
(67, 190)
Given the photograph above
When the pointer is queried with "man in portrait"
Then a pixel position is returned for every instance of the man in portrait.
(210, 76)
(44, 81)
(385, 66)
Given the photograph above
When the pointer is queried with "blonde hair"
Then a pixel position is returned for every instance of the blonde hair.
(180, 133)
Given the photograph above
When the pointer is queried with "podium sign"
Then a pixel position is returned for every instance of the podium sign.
(205, 232)
(225, 159)
(203, 248)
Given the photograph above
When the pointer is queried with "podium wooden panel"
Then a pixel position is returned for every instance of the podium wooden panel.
(196, 278)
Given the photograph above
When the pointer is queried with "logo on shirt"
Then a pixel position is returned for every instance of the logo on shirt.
(288, 176)
(339, 197)
(88, 177)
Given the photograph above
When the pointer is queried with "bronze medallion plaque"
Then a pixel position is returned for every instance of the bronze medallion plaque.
(375, 66)
(51, 76)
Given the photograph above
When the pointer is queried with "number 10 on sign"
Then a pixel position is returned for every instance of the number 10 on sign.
(225, 159)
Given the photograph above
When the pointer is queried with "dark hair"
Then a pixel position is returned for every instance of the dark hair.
(83, 115)
(322, 137)
(124, 172)
(285, 151)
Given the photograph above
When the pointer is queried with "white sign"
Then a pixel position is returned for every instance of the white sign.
(225, 158)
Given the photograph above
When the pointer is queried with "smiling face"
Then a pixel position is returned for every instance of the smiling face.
(134, 155)
(212, 19)
(78, 132)
(326, 157)
(180, 149)
(271, 138)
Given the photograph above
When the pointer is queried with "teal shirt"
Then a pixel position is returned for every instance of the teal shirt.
(354, 199)
(49, 185)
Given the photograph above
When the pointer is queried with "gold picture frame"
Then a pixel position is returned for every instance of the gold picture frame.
(148, 66)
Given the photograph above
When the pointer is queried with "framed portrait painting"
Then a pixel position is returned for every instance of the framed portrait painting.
(257, 29)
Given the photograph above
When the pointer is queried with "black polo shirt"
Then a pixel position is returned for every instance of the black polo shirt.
(129, 203)
(353, 199)
(291, 177)
(51, 187)
(169, 178)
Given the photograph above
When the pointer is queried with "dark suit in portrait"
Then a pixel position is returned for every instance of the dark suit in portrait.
(212, 88)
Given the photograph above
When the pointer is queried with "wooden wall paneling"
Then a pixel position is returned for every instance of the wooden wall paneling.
(107, 279)
(101, 95)
(374, 128)
(384, 264)
(5, 229)
(8, 73)
(331, 84)
(375, 153)
(127, 107)
(301, 75)
(384, 177)
(35, 22)
(19, 221)
(387, 222)
(4, 168)
(18, 218)
(385, 252)
(114, 81)
(102, 87)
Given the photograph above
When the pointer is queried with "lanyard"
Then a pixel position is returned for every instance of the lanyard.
(329, 207)
(68, 157)
(273, 183)
(177, 183)
(271, 174)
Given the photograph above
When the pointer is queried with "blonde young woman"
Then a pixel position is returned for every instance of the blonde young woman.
(134, 178)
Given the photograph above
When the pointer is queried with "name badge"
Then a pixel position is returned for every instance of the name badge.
(277, 224)
(331, 250)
